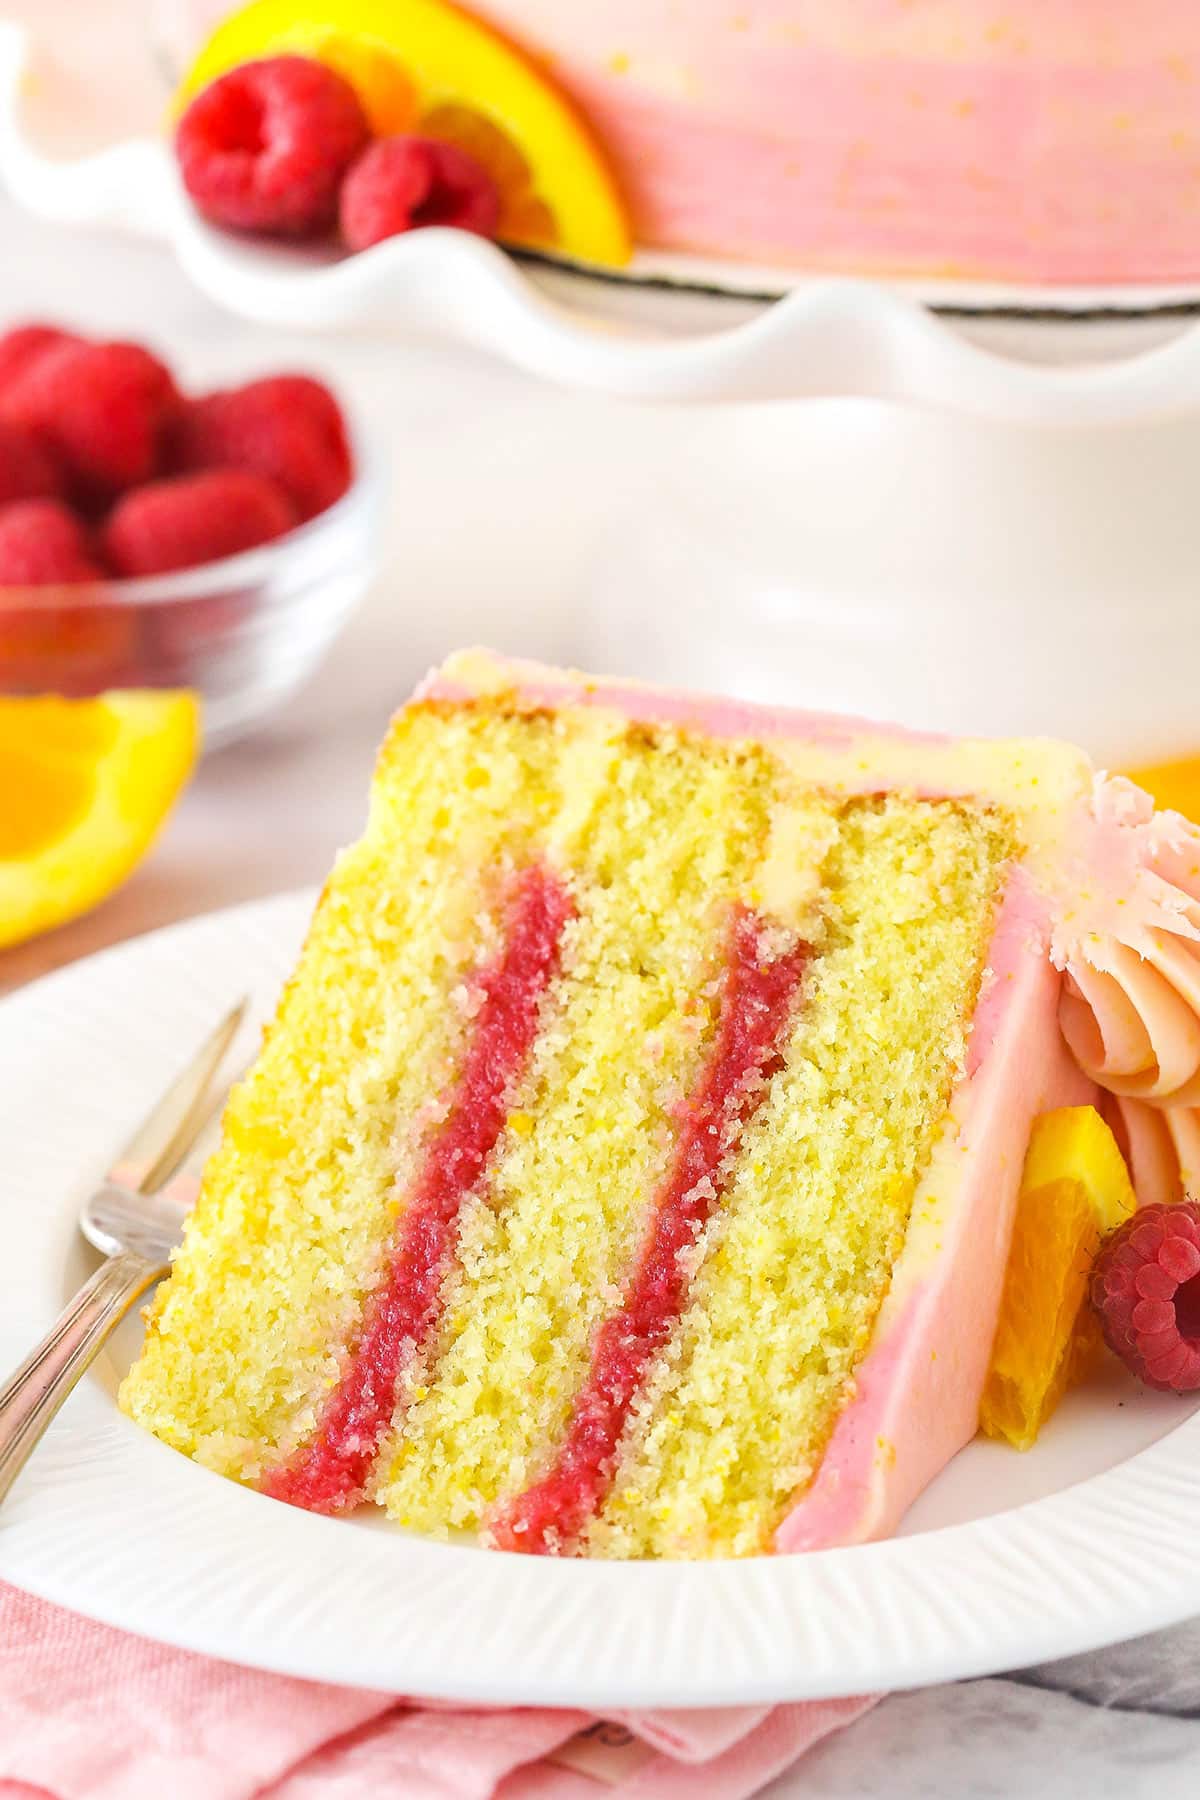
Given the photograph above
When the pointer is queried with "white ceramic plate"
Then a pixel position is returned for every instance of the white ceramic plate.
(670, 340)
(1094, 1536)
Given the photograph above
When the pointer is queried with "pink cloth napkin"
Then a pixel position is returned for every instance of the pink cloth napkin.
(88, 1713)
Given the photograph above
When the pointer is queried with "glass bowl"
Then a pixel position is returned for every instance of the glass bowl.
(243, 633)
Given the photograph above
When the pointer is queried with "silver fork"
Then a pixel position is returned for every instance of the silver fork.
(136, 1218)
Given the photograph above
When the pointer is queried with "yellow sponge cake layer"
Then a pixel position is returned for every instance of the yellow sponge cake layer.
(290, 1234)
(674, 834)
(586, 988)
(736, 1415)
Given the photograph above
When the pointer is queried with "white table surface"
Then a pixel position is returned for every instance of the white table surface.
(499, 489)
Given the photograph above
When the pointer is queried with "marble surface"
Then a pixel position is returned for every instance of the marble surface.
(500, 490)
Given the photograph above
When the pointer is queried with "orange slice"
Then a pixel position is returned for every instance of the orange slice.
(1174, 784)
(425, 66)
(84, 787)
(1075, 1189)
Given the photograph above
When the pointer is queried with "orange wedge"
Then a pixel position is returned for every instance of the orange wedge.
(1173, 784)
(84, 788)
(424, 66)
(1075, 1189)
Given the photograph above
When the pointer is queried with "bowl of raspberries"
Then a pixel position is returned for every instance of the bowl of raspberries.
(154, 538)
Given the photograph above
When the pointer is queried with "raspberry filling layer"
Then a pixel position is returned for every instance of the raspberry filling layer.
(329, 1471)
(760, 988)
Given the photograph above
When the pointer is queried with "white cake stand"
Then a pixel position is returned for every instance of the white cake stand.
(674, 328)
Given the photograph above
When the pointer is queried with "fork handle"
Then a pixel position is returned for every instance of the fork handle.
(34, 1392)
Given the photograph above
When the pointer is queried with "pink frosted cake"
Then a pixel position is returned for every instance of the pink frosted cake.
(1041, 141)
(631, 1167)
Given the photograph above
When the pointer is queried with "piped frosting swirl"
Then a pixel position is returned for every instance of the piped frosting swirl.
(1161, 1144)
(1129, 948)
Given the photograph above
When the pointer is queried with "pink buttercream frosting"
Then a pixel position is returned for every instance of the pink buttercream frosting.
(1131, 951)
(1131, 999)
(471, 672)
(1046, 141)
(1091, 993)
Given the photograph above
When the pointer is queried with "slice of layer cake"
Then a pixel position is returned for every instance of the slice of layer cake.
(631, 1165)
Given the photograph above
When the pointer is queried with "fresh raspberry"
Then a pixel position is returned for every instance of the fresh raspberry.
(102, 408)
(21, 347)
(192, 519)
(28, 471)
(286, 427)
(264, 148)
(402, 183)
(42, 543)
(1145, 1288)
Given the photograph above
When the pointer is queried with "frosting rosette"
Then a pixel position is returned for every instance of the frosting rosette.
(1161, 1145)
(1129, 948)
